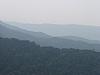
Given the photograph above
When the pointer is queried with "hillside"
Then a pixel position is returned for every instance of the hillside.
(19, 57)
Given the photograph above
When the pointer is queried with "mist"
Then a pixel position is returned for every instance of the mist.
(85, 12)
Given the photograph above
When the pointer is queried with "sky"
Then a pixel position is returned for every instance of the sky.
(85, 12)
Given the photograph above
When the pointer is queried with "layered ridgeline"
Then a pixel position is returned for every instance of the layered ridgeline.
(43, 39)
(19, 57)
(85, 31)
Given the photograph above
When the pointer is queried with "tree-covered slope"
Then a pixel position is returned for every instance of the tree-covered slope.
(19, 57)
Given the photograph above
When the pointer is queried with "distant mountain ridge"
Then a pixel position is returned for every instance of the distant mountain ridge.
(43, 39)
(80, 39)
(84, 31)
(36, 34)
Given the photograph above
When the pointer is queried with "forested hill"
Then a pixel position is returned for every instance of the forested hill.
(20, 57)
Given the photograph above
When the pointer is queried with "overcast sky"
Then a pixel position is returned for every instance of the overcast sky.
(51, 11)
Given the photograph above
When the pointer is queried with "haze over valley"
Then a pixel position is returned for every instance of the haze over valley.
(73, 38)
(49, 37)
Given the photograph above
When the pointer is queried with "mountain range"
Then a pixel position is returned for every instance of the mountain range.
(85, 31)
(43, 39)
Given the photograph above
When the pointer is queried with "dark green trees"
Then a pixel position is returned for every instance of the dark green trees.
(20, 57)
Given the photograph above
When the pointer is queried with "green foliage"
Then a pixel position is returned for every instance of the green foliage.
(21, 57)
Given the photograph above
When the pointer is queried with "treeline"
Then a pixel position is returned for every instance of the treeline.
(21, 57)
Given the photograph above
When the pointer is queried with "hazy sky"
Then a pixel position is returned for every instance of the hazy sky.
(51, 11)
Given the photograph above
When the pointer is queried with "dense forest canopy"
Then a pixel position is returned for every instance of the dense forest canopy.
(22, 57)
